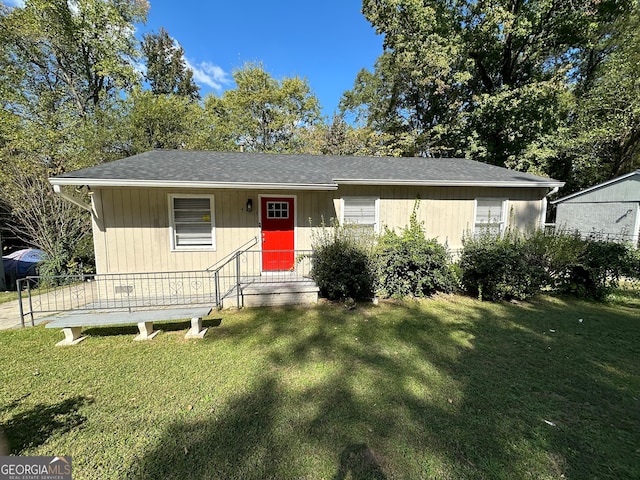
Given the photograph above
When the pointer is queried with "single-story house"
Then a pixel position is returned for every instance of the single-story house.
(177, 210)
(610, 210)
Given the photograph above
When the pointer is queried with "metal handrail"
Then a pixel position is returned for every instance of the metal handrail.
(217, 267)
(226, 259)
(245, 267)
(114, 291)
(155, 289)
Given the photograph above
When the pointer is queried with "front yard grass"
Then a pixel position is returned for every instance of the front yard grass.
(449, 388)
(8, 296)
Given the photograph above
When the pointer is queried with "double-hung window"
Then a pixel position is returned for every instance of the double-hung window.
(490, 216)
(192, 222)
(362, 212)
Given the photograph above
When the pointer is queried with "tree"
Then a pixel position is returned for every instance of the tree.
(414, 97)
(341, 138)
(601, 139)
(262, 113)
(76, 52)
(167, 72)
(42, 219)
(161, 121)
(63, 66)
(482, 78)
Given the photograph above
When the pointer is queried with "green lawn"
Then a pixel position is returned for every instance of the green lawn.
(8, 297)
(450, 388)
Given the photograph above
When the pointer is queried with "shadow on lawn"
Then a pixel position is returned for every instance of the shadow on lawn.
(236, 442)
(163, 326)
(359, 463)
(35, 426)
(411, 396)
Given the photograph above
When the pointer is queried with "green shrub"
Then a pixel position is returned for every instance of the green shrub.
(342, 266)
(409, 264)
(587, 268)
(67, 261)
(520, 266)
(632, 268)
(511, 266)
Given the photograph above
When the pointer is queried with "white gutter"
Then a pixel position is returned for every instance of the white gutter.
(175, 184)
(448, 183)
(69, 198)
(94, 182)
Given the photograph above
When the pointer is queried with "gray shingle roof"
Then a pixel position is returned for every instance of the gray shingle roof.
(598, 186)
(190, 168)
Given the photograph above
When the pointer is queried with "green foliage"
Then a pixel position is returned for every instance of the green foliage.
(520, 266)
(162, 121)
(58, 53)
(498, 267)
(404, 101)
(65, 261)
(342, 266)
(589, 268)
(632, 269)
(262, 113)
(549, 87)
(409, 264)
(43, 219)
(64, 66)
(167, 71)
(602, 138)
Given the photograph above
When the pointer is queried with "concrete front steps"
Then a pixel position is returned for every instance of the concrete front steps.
(274, 294)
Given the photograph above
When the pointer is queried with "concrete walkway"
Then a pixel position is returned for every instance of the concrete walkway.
(10, 311)
(10, 316)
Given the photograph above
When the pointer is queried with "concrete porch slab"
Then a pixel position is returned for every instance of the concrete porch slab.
(280, 293)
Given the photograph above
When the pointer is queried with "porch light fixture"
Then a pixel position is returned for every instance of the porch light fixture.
(249, 205)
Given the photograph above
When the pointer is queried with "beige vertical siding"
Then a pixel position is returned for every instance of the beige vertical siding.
(131, 228)
(447, 213)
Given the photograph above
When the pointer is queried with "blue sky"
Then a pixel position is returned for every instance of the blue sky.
(327, 41)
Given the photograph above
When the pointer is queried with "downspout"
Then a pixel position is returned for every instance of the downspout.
(57, 189)
(543, 216)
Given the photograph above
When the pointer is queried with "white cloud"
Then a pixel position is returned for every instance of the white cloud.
(139, 67)
(209, 74)
(74, 7)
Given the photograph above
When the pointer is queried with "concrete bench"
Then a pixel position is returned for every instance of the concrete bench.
(72, 323)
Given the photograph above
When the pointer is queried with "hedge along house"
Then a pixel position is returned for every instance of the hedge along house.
(610, 210)
(180, 210)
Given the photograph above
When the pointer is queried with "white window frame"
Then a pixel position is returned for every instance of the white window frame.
(376, 200)
(503, 214)
(172, 230)
(280, 210)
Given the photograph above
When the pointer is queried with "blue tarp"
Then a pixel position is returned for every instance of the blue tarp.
(21, 263)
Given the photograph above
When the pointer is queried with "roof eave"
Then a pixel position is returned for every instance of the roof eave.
(96, 182)
(596, 187)
(450, 183)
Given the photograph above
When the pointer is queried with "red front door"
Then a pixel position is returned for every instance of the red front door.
(277, 233)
